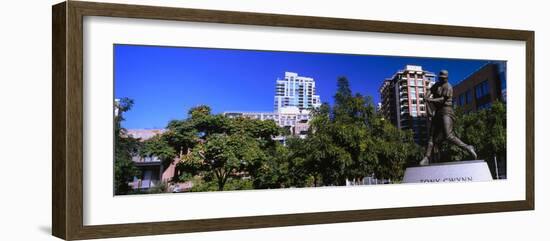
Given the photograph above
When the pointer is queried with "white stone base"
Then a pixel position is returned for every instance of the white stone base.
(460, 171)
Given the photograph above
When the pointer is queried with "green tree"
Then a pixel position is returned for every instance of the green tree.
(484, 129)
(395, 150)
(220, 149)
(354, 133)
(222, 156)
(273, 172)
(125, 148)
(158, 147)
(351, 141)
(323, 154)
(299, 168)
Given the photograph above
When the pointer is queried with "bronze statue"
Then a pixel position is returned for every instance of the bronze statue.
(439, 107)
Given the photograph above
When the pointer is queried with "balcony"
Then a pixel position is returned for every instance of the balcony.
(145, 184)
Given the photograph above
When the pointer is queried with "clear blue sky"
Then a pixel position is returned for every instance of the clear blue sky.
(165, 82)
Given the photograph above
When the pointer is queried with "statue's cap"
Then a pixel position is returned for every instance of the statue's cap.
(444, 74)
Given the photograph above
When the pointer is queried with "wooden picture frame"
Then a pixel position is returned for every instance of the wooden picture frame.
(67, 124)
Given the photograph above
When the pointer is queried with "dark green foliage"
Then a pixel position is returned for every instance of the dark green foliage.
(484, 129)
(158, 146)
(223, 156)
(395, 151)
(125, 148)
(351, 141)
(160, 188)
(273, 171)
(232, 184)
(181, 135)
(125, 171)
(218, 148)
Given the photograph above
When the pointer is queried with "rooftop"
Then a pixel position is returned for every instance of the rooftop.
(144, 134)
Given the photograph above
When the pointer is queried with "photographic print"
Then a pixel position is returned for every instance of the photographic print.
(192, 119)
(287, 119)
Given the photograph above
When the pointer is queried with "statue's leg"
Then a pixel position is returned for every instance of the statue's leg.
(429, 149)
(428, 155)
(436, 156)
(450, 136)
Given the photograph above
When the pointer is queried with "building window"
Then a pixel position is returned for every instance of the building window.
(414, 110)
(411, 82)
(468, 97)
(461, 100)
(484, 106)
(412, 93)
(482, 89)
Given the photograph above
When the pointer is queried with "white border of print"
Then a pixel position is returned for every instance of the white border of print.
(101, 207)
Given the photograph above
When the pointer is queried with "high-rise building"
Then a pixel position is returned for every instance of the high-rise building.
(116, 105)
(297, 91)
(294, 99)
(402, 100)
(481, 88)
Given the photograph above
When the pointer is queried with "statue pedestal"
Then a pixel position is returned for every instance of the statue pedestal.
(460, 171)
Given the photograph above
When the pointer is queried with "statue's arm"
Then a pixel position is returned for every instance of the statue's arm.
(436, 100)
(447, 94)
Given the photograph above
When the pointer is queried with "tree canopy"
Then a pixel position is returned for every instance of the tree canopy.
(125, 148)
(484, 129)
(350, 141)
(216, 147)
